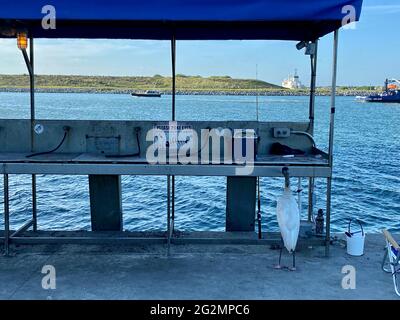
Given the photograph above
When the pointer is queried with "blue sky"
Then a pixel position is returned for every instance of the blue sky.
(367, 54)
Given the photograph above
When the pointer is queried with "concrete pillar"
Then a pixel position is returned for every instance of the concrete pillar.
(105, 202)
(241, 203)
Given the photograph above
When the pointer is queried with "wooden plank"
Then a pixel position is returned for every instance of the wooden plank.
(391, 240)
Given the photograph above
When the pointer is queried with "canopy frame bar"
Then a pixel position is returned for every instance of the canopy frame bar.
(313, 84)
(33, 118)
(331, 136)
(171, 179)
(29, 62)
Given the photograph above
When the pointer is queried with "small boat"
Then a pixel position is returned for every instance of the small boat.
(391, 93)
(147, 93)
(361, 98)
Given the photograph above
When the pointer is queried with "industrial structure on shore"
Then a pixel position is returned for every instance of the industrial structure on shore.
(293, 82)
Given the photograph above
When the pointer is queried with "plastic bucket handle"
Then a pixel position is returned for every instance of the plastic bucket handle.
(359, 222)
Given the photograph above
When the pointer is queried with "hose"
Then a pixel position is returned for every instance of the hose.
(66, 130)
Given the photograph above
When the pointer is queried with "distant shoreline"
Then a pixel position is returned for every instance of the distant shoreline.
(185, 84)
(340, 92)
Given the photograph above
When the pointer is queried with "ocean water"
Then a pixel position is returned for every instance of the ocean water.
(366, 182)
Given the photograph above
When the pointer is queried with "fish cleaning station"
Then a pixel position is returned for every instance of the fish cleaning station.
(106, 150)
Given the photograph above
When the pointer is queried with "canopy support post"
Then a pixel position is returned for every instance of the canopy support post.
(6, 216)
(331, 136)
(173, 48)
(29, 61)
(168, 214)
(333, 96)
(314, 59)
(173, 55)
(33, 116)
(171, 179)
(311, 186)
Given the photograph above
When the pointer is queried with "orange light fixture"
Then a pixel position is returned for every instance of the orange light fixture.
(22, 40)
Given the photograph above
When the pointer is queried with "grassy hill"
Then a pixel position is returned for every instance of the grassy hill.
(215, 85)
(157, 82)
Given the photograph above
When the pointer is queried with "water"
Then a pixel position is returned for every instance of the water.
(366, 164)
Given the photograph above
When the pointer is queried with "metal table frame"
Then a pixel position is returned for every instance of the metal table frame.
(169, 170)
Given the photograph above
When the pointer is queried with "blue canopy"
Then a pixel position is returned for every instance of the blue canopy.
(186, 19)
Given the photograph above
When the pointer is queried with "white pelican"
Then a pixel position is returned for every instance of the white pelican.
(288, 215)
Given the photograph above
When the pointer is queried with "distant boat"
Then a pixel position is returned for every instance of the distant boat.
(361, 98)
(293, 82)
(147, 93)
(390, 95)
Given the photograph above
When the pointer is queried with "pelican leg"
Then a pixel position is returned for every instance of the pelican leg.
(278, 266)
(293, 268)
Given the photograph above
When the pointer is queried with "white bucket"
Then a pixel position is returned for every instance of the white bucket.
(355, 241)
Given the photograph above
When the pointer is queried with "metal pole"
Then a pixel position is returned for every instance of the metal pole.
(6, 216)
(32, 88)
(33, 116)
(314, 59)
(34, 204)
(310, 198)
(328, 215)
(333, 97)
(168, 214)
(173, 204)
(259, 222)
(173, 54)
(257, 107)
(299, 190)
(29, 61)
(331, 135)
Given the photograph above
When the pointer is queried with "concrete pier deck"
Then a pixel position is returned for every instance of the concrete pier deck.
(192, 272)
